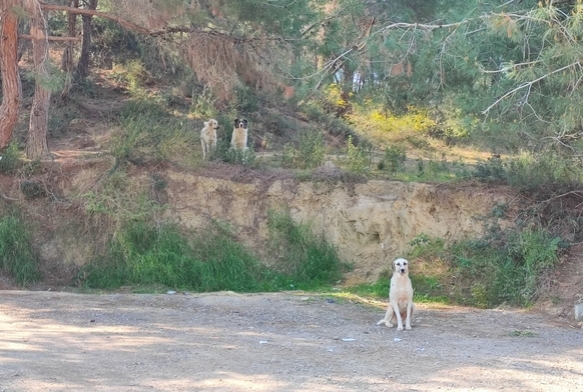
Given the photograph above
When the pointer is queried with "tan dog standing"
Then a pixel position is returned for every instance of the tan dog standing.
(401, 306)
(240, 134)
(208, 137)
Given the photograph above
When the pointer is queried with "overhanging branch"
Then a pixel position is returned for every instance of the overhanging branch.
(124, 22)
(50, 38)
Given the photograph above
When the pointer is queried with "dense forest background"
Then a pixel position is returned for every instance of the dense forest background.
(501, 75)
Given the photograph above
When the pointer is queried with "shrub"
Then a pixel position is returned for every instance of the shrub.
(380, 125)
(10, 160)
(307, 259)
(358, 157)
(393, 159)
(147, 132)
(502, 268)
(142, 254)
(529, 172)
(16, 256)
(308, 153)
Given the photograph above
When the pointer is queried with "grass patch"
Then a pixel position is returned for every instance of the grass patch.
(307, 153)
(530, 172)
(143, 255)
(149, 133)
(308, 259)
(502, 268)
(16, 256)
(379, 290)
(506, 268)
(523, 334)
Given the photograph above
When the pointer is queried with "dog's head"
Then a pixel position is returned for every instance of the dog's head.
(212, 123)
(240, 123)
(401, 266)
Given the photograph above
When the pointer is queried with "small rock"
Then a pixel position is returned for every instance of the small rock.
(579, 312)
(171, 292)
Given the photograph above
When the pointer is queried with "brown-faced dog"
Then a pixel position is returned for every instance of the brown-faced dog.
(208, 137)
(401, 306)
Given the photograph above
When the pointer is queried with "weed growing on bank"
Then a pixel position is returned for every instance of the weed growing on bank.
(149, 133)
(211, 260)
(504, 268)
(308, 260)
(16, 256)
(531, 172)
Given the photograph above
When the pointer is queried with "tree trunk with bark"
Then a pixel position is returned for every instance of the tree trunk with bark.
(37, 146)
(67, 61)
(83, 64)
(11, 87)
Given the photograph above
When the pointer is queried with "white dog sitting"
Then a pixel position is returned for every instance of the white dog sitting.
(240, 134)
(208, 137)
(401, 306)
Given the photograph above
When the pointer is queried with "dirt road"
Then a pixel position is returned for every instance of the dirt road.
(57, 341)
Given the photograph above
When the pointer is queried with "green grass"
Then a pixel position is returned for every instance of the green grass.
(307, 153)
(16, 256)
(503, 267)
(379, 290)
(308, 259)
(11, 159)
(147, 132)
(496, 269)
(143, 255)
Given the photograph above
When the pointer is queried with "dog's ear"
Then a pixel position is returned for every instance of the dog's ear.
(235, 122)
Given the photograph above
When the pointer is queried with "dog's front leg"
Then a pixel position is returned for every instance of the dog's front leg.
(409, 315)
(395, 306)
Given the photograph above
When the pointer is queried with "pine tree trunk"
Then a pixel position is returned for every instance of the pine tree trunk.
(83, 64)
(37, 146)
(11, 87)
(67, 60)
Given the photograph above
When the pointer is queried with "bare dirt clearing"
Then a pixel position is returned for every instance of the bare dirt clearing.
(57, 341)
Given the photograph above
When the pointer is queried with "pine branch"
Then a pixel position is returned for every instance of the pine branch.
(529, 84)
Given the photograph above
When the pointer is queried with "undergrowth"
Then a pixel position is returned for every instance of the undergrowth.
(16, 256)
(210, 260)
(309, 260)
(307, 152)
(506, 268)
(148, 133)
(531, 172)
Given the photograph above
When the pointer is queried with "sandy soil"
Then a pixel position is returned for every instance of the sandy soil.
(57, 341)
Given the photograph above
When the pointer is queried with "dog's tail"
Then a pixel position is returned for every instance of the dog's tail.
(381, 322)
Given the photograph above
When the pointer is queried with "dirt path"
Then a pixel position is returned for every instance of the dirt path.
(56, 341)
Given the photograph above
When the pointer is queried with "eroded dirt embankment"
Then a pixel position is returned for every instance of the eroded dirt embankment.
(371, 223)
